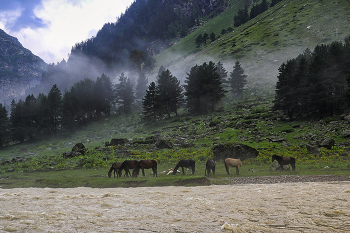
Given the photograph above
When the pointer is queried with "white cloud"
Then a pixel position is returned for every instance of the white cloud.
(67, 23)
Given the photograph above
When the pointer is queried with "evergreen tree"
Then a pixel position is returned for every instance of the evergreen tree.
(104, 96)
(17, 121)
(68, 111)
(212, 37)
(150, 103)
(124, 94)
(30, 116)
(55, 104)
(222, 72)
(136, 59)
(274, 2)
(205, 38)
(4, 125)
(170, 92)
(141, 86)
(199, 40)
(237, 80)
(43, 114)
(241, 18)
(203, 88)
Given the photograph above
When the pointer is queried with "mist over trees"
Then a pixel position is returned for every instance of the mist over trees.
(315, 84)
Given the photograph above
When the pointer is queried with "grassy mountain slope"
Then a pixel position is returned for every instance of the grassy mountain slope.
(263, 43)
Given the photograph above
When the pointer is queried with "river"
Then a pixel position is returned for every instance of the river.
(283, 207)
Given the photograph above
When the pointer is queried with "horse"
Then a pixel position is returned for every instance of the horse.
(145, 164)
(127, 165)
(116, 168)
(233, 163)
(284, 161)
(210, 165)
(185, 163)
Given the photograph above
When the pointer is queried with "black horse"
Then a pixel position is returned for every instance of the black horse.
(284, 161)
(210, 165)
(185, 163)
(127, 165)
(116, 168)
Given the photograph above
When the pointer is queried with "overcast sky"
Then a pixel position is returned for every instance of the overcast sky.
(49, 28)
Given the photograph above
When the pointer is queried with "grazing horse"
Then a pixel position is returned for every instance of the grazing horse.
(233, 163)
(145, 164)
(284, 161)
(127, 165)
(116, 168)
(185, 163)
(210, 165)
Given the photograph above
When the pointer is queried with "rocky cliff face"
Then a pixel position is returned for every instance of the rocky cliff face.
(19, 68)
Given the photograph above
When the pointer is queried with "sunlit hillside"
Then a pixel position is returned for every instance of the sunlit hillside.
(265, 42)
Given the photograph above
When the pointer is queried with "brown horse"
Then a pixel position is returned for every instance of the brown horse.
(233, 163)
(284, 161)
(145, 164)
(116, 168)
(185, 163)
(127, 165)
(210, 165)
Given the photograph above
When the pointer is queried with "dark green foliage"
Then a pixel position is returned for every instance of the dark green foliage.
(124, 94)
(55, 100)
(4, 125)
(170, 92)
(150, 103)
(258, 9)
(203, 88)
(241, 17)
(141, 86)
(237, 81)
(314, 84)
(199, 40)
(274, 2)
(212, 37)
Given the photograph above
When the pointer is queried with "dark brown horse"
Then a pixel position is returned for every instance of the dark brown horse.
(210, 165)
(127, 165)
(185, 163)
(116, 168)
(145, 164)
(233, 163)
(284, 161)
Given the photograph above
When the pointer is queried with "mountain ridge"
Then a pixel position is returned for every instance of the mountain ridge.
(19, 68)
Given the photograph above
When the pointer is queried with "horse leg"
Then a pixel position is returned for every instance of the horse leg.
(213, 170)
(237, 170)
(193, 169)
(183, 171)
(227, 169)
(143, 171)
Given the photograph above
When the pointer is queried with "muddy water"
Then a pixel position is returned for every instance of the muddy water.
(291, 207)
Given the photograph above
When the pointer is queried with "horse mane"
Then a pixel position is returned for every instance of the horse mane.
(277, 156)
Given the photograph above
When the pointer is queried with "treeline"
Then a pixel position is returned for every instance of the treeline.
(315, 84)
(243, 16)
(87, 101)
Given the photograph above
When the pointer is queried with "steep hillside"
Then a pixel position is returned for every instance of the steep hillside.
(263, 43)
(19, 68)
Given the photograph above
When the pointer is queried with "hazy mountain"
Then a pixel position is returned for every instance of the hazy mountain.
(19, 68)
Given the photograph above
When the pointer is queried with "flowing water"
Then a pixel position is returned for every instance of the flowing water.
(288, 207)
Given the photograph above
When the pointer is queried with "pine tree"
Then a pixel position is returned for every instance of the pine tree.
(103, 93)
(141, 86)
(170, 92)
(17, 121)
(212, 37)
(237, 80)
(205, 38)
(4, 125)
(150, 103)
(222, 72)
(124, 94)
(203, 88)
(199, 40)
(55, 104)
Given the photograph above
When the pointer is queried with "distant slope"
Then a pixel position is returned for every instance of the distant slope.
(19, 68)
(262, 44)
